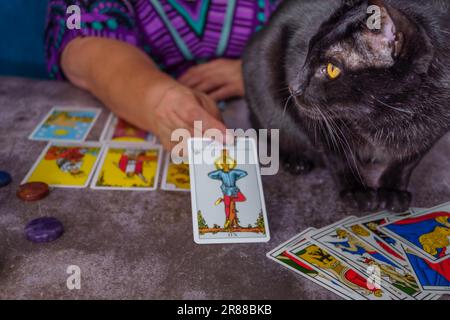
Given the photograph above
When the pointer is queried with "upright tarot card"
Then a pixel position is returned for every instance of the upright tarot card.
(226, 191)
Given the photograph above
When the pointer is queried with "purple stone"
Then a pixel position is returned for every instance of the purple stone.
(44, 229)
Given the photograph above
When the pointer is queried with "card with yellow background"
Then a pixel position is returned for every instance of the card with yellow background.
(176, 176)
(128, 167)
(65, 165)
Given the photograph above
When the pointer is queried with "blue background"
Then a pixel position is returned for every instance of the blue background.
(22, 39)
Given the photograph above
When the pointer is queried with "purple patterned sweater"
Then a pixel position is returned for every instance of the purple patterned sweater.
(176, 34)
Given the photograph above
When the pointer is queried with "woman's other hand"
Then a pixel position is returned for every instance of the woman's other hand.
(220, 79)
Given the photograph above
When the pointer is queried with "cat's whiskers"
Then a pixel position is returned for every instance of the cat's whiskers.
(343, 142)
(315, 131)
(392, 107)
(322, 128)
(287, 103)
(344, 139)
(329, 128)
(282, 91)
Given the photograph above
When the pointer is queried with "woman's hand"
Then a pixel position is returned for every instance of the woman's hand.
(220, 79)
(178, 108)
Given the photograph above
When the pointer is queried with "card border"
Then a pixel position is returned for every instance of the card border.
(164, 185)
(146, 146)
(291, 242)
(106, 128)
(410, 245)
(67, 144)
(197, 239)
(97, 111)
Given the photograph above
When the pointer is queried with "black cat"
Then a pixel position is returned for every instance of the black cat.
(373, 99)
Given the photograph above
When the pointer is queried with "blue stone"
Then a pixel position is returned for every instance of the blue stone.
(45, 229)
(5, 178)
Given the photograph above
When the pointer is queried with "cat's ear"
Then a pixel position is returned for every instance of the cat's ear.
(385, 28)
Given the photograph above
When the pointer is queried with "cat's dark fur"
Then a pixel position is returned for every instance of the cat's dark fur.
(383, 113)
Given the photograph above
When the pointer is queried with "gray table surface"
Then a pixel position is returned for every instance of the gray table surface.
(139, 245)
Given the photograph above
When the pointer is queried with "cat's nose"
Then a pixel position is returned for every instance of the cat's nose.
(296, 90)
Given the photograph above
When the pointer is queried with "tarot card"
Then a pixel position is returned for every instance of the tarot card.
(366, 229)
(365, 258)
(280, 255)
(119, 130)
(128, 167)
(68, 124)
(398, 216)
(226, 192)
(315, 256)
(432, 277)
(69, 165)
(416, 210)
(427, 233)
(175, 176)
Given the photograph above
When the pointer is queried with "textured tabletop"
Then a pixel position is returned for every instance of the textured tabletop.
(139, 244)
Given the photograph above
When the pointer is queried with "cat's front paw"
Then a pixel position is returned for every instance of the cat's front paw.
(361, 199)
(394, 200)
(373, 200)
(297, 165)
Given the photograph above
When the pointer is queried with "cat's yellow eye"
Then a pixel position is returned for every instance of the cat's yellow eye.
(333, 72)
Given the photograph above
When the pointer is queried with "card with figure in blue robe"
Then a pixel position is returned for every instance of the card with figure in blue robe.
(432, 277)
(226, 191)
(427, 233)
(366, 229)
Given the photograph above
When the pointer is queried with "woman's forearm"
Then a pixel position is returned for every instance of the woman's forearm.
(120, 75)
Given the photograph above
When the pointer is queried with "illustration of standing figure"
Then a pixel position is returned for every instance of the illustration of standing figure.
(131, 163)
(227, 173)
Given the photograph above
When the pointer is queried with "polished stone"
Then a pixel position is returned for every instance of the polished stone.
(45, 229)
(5, 179)
(33, 191)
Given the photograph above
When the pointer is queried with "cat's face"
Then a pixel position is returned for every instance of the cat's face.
(353, 65)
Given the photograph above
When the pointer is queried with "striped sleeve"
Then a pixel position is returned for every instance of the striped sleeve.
(113, 19)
